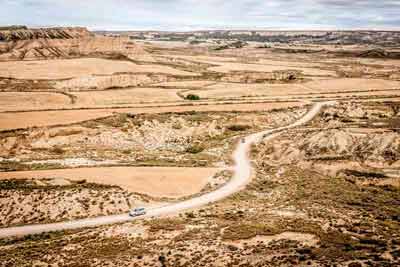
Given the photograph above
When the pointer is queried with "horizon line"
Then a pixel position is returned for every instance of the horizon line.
(205, 29)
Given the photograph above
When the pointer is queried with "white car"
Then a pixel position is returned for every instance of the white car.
(137, 212)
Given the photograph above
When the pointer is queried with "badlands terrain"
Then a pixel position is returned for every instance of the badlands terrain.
(247, 149)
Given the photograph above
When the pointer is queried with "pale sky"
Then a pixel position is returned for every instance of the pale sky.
(203, 14)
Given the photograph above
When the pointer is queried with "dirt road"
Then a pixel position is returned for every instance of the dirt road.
(242, 175)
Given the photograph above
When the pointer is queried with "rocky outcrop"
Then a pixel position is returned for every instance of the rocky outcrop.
(334, 150)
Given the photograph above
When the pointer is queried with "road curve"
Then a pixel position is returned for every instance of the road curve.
(242, 175)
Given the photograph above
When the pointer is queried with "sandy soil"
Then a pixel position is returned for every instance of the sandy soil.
(224, 90)
(185, 84)
(96, 82)
(47, 118)
(227, 64)
(352, 84)
(15, 100)
(218, 59)
(125, 96)
(227, 67)
(206, 59)
(278, 66)
(154, 181)
(288, 63)
(366, 61)
(37, 118)
(262, 94)
(70, 68)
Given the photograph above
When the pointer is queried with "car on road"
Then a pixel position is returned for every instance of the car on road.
(243, 140)
(137, 212)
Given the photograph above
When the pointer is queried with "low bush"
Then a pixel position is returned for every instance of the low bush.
(166, 224)
(194, 149)
(238, 127)
(247, 230)
(365, 174)
(57, 150)
(192, 97)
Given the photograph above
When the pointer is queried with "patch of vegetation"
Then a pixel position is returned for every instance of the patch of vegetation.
(32, 238)
(365, 174)
(192, 97)
(238, 127)
(114, 121)
(165, 224)
(29, 185)
(247, 231)
(57, 150)
(195, 149)
(95, 249)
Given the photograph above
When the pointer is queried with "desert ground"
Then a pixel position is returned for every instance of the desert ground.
(93, 125)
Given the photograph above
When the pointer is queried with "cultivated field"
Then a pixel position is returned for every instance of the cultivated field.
(152, 181)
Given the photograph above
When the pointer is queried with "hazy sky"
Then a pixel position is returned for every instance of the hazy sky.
(204, 14)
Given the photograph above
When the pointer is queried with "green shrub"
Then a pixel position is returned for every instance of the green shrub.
(194, 149)
(166, 224)
(192, 97)
(247, 230)
(238, 127)
(57, 150)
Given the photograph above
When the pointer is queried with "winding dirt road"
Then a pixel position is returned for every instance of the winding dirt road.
(242, 176)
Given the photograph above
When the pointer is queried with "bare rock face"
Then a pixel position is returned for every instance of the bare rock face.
(334, 150)
(333, 142)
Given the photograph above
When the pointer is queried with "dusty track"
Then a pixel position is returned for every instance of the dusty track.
(241, 177)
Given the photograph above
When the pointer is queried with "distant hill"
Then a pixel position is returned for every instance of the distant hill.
(362, 37)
